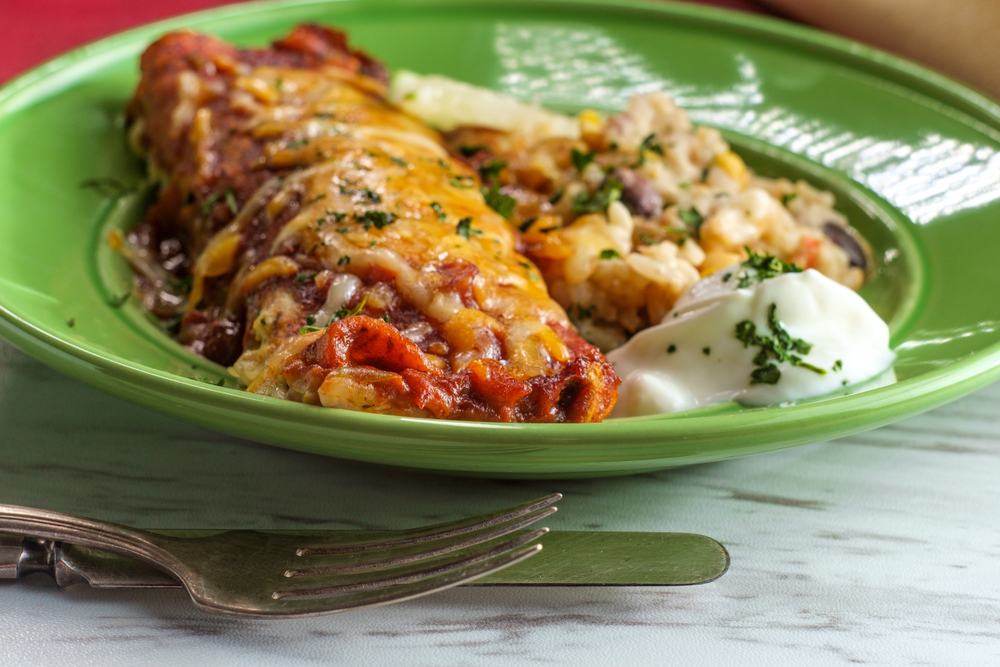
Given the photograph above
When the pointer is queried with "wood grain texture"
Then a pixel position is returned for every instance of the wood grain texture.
(881, 548)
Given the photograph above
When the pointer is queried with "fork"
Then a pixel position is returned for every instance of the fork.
(268, 575)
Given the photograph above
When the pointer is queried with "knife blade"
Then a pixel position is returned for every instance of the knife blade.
(568, 558)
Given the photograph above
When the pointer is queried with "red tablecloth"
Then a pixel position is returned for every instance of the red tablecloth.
(32, 31)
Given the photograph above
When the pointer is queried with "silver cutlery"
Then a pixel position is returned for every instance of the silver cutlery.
(271, 574)
(570, 558)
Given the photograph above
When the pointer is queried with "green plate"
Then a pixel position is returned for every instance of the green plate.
(913, 158)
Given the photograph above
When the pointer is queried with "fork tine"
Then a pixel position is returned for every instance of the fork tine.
(440, 531)
(447, 571)
(464, 541)
(299, 607)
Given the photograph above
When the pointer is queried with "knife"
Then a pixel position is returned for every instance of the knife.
(568, 558)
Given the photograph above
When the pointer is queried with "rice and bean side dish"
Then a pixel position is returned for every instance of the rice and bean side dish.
(316, 233)
(624, 218)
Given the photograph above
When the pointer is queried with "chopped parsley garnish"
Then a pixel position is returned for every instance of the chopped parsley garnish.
(610, 253)
(691, 216)
(318, 198)
(581, 160)
(779, 347)
(647, 240)
(470, 150)
(464, 228)
(491, 169)
(385, 317)
(181, 284)
(106, 186)
(344, 312)
(838, 365)
(600, 200)
(671, 349)
(526, 225)
(344, 261)
(582, 312)
(304, 277)
(499, 202)
(372, 196)
(401, 162)
(788, 196)
(119, 301)
(298, 143)
(706, 351)
(209, 204)
(648, 144)
(436, 207)
(767, 374)
(556, 196)
(763, 267)
(464, 182)
(377, 219)
(234, 208)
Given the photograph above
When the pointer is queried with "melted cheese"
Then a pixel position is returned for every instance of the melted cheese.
(367, 177)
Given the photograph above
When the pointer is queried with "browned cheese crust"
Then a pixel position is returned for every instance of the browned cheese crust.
(325, 246)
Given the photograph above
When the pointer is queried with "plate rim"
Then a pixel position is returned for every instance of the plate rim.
(118, 375)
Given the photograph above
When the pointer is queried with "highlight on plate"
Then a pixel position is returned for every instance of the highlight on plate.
(433, 249)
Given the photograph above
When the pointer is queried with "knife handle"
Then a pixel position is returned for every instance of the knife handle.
(21, 556)
(569, 559)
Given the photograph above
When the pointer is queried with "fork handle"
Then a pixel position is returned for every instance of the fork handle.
(48, 526)
(68, 564)
(21, 556)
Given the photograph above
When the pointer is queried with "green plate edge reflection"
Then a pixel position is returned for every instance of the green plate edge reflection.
(527, 451)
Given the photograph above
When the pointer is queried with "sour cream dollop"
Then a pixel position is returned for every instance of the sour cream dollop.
(695, 358)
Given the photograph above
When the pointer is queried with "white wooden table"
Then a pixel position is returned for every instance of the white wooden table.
(881, 549)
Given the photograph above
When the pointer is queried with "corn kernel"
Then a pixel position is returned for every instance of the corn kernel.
(717, 260)
(732, 164)
(592, 128)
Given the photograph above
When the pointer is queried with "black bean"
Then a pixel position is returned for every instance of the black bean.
(224, 341)
(638, 194)
(847, 242)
